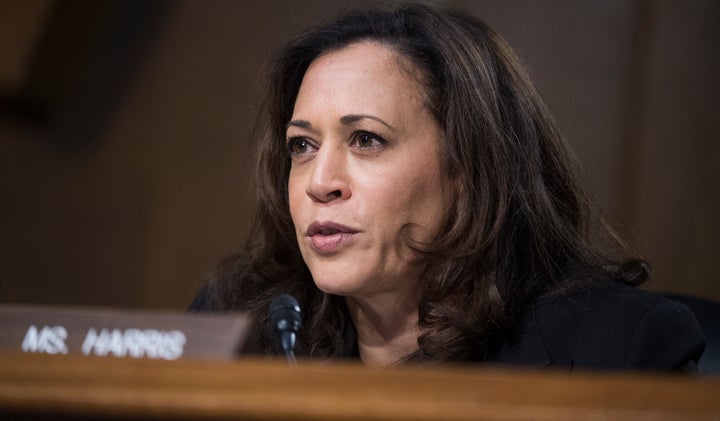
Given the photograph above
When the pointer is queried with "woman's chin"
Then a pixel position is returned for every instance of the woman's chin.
(334, 289)
(337, 285)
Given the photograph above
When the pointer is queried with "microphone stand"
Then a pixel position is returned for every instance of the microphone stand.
(285, 321)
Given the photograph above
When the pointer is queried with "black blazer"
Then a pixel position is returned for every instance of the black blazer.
(609, 326)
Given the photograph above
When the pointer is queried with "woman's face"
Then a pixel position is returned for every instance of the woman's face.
(365, 170)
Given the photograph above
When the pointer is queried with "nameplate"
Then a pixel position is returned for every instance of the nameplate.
(158, 335)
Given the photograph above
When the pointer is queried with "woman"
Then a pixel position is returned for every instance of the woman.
(416, 197)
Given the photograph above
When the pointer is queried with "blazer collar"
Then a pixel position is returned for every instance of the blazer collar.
(526, 347)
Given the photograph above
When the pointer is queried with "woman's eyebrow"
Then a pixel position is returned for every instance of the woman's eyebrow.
(303, 124)
(347, 119)
(351, 118)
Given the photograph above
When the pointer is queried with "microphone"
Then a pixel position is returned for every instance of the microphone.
(285, 322)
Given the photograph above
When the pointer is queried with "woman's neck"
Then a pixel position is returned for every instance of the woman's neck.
(387, 328)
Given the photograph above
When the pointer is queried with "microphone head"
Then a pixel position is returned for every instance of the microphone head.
(285, 313)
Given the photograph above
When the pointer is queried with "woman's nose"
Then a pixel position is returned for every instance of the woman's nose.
(329, 177)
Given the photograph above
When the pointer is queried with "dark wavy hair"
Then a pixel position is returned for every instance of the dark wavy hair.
(522, 223)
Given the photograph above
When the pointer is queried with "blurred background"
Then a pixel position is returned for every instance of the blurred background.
(124, 129)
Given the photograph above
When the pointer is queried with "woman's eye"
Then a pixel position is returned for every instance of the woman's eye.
(298, 146)
(367, 140)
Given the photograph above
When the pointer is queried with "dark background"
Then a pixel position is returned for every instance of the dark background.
(124, 167)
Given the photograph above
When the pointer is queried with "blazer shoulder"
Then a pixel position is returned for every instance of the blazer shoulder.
(202, 302)
(614, 326)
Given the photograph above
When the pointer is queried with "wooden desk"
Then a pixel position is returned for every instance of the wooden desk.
(35, 386)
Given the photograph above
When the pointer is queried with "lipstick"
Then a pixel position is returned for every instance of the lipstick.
(327, 237)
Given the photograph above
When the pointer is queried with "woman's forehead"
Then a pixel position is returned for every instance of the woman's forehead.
(364, 77)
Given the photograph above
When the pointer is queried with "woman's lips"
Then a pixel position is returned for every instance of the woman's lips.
(332, 242)
(327, 237)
